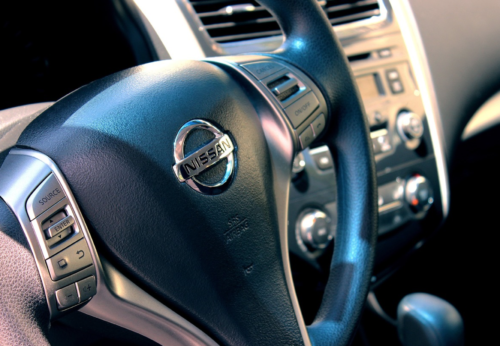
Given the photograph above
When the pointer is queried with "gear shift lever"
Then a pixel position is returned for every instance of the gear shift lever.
(426, 320)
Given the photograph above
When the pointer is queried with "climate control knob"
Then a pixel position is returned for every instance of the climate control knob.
(410, 126)
(314, 228)
(418, 193)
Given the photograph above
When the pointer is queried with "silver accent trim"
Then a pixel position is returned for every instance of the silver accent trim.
(418, 60)
(486, 117)
(390, 206)
(281, 147)
(118, 300)
(172, 28)
(20, 175)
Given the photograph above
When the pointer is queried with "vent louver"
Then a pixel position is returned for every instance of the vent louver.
(237, 20)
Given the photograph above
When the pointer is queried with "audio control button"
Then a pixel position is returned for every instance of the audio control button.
(67, 297)
(70, 260)
(315, 228)
(48, 193)
(86, 288)
(419, 193)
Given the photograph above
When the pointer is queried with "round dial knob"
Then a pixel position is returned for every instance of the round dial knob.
(419, 193)
(298, 163)
(410, 126)
(314, 228)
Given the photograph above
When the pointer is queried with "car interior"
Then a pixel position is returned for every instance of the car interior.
(249, 172)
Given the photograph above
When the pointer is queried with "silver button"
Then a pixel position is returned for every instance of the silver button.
(45, 196)
(73, 259)
(261, 70)
(67, 297)
(392, 75)
(385, 53)
(86, 288)
(396, 87)
(299, 110)
(60, 226)
(59, 237)
(306, 137)
(318, 124)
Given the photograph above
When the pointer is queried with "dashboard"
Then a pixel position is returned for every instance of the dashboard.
(427, 72)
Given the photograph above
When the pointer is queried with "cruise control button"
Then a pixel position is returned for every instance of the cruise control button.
(299, 110)
(306, 137)
(74, 258)
(86, 288)
(261, 70)
(48, 193)
(67, 297)
(318, 125)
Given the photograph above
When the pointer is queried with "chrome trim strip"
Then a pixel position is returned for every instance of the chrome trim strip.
(119, 300)
(486, 117)
(390, 206)
(411, 35)
(172, 28)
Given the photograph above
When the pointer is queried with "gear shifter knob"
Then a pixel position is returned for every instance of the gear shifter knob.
(426, 320)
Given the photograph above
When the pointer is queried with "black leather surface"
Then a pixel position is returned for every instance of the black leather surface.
(113, 140)
(24, 315)
(312, 46)
(461, 44)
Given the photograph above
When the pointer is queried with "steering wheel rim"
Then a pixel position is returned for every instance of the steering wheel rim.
(306, 28)
(306, 31)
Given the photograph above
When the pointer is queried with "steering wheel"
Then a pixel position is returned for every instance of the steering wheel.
(181, 170)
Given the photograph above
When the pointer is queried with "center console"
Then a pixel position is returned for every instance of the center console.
(403, 148)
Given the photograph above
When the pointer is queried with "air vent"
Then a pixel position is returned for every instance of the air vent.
(238, 20)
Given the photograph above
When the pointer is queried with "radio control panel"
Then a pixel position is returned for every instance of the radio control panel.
(403, 151)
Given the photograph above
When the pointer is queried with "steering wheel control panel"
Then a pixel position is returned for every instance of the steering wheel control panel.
(294, 93)
(405, 161)
(38, 195)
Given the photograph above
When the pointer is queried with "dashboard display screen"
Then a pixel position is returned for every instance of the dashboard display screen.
(368, 86)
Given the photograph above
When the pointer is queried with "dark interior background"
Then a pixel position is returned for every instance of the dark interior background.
(50, 48)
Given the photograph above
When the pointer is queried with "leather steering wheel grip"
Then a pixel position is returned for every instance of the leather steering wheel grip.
(311, 44)
(24, 315)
